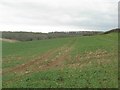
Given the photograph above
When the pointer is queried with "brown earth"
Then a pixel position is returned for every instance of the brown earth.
(8, 40)
(40, 62)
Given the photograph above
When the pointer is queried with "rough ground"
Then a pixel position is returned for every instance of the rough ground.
(73, 62)
(51, 59)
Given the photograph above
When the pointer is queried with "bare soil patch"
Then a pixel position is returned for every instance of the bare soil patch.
(81, 60)
(8, 40)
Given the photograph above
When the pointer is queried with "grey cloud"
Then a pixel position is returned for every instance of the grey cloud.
(33, 13)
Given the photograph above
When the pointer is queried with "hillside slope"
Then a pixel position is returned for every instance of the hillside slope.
(77, 62)
(113, 30)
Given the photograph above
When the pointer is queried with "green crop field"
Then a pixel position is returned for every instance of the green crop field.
(80, 62)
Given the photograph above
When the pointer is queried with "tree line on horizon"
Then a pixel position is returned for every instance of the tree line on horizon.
(29, 36)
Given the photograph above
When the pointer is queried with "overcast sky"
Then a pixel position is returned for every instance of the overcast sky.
(58, 15)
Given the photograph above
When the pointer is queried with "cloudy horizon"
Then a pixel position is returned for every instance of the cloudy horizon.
(58, 15)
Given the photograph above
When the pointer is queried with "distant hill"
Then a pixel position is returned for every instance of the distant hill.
(113, 30)
(29, 36)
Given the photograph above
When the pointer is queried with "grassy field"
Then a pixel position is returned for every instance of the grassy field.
(83, 62)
